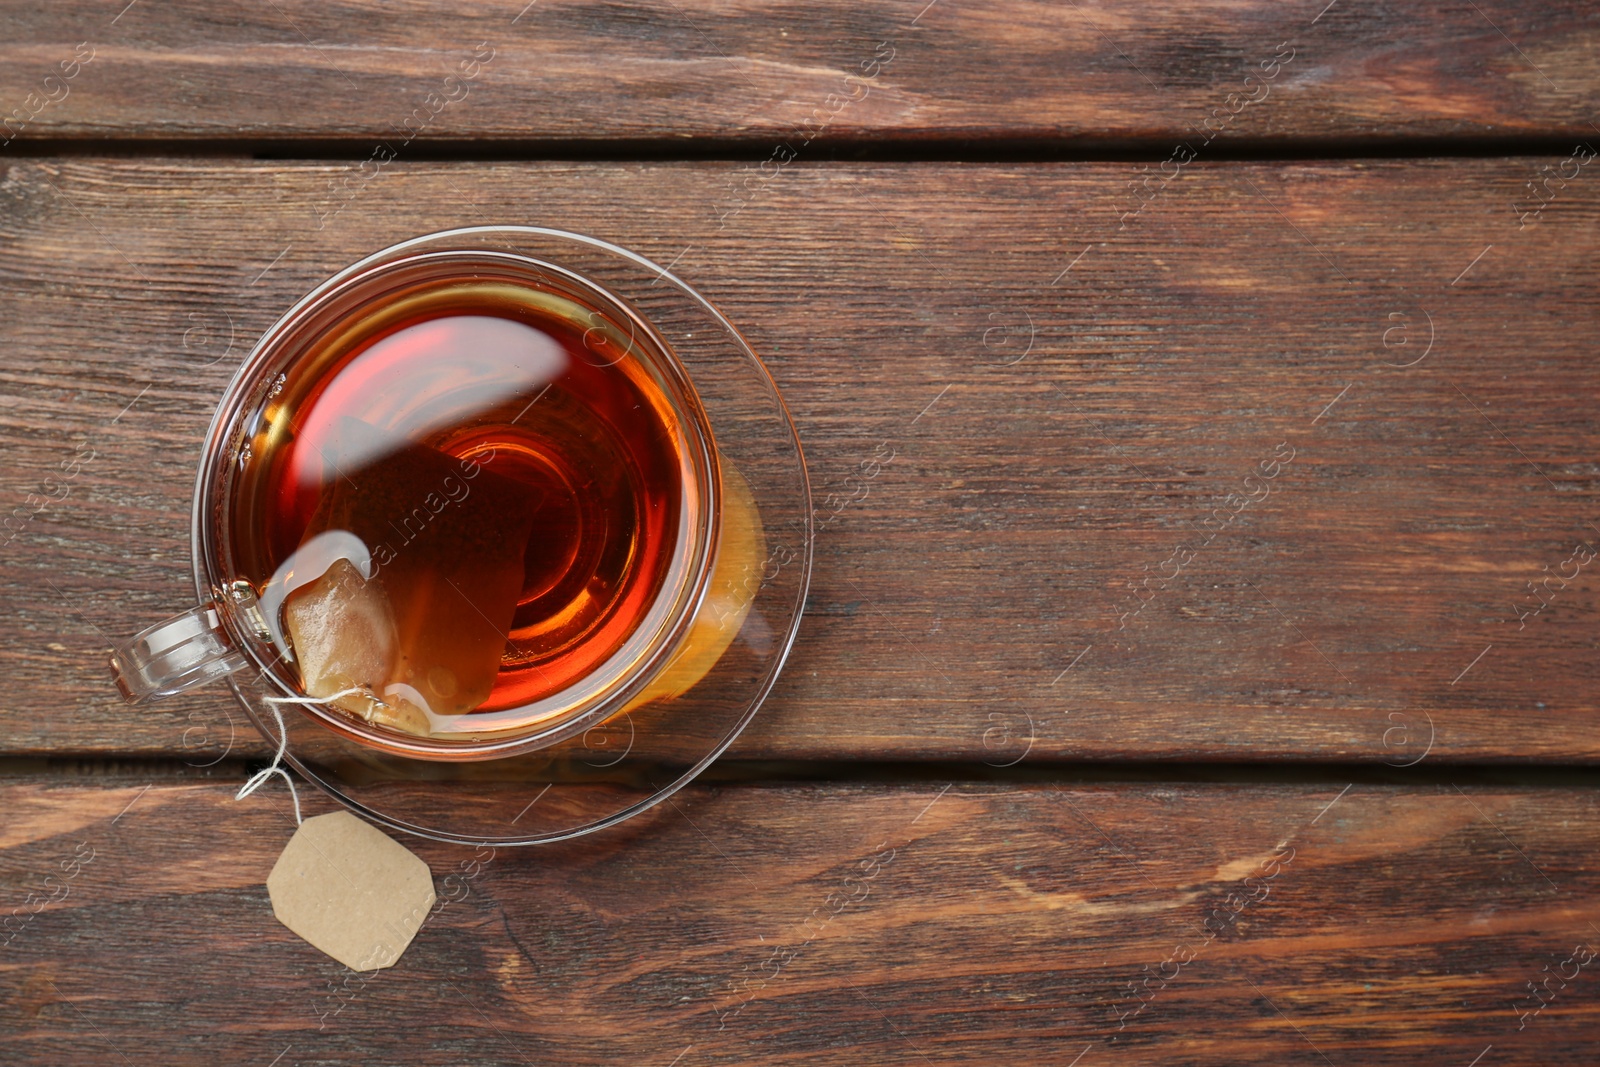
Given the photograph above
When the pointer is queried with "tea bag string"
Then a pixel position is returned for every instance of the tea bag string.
(257, 780)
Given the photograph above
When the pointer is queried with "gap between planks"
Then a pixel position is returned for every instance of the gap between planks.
(910, 773)
(976, 147)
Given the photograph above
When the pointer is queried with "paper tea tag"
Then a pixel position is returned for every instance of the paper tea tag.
(350, 890)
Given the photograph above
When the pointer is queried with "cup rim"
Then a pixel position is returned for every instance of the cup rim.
(254, 373)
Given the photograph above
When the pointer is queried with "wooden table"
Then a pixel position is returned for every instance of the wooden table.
(1208, 678)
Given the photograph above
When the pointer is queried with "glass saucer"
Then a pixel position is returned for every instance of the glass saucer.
(639, 757)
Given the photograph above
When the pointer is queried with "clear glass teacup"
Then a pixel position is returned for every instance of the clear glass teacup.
(483, 491)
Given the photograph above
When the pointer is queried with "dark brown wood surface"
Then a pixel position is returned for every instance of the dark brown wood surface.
(1209, 678)
(1013, 582)
(837, 925)
(1097, 71)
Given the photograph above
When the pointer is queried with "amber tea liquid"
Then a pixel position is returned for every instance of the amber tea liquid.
(467, 494)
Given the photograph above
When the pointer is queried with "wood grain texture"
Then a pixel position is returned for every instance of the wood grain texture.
(1063, 440)
(832, 925)
(755, 70)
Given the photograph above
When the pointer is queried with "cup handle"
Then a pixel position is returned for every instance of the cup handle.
(185, 651)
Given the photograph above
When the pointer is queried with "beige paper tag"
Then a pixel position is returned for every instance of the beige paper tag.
(351, 890)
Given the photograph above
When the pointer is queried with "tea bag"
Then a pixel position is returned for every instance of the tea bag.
(351, 890)
(425, 631)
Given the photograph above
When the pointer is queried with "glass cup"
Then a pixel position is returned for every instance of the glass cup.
(739, 566)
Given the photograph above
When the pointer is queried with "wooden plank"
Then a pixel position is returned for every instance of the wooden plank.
(829, 924)
(573, 71)
(1075, 401)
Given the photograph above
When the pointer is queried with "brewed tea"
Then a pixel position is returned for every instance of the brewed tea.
(465, 497)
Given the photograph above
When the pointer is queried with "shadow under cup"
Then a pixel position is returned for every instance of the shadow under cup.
(679, 520)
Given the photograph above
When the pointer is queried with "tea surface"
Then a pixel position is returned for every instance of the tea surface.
(465, 499)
